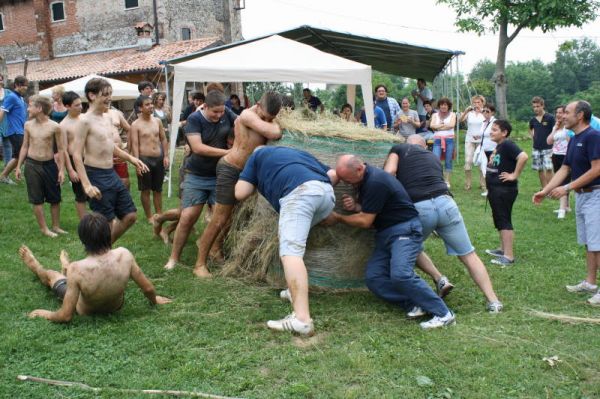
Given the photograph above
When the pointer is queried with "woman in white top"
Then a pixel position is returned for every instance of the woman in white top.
(487, 145)
(162, 110)
(474, 118)
(442, 124)
(559, 138)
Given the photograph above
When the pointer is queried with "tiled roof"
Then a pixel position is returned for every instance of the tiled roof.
(108, 62)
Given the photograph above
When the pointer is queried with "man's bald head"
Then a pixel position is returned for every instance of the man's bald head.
(350, 168)
(416, 140)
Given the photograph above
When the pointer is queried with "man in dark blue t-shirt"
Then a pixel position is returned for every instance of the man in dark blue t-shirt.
(384, 203)
(299, 188)
(540, 127)
(582, 162)
(14, 110)
(206, 131)
(311, 101)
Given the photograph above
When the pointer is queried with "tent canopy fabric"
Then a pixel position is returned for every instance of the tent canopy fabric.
(396, 58)
(121, 90)
(272, 59)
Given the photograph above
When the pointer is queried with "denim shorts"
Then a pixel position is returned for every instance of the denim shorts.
(198, 190)
(587, 215)
(307, 205)
(442, 215)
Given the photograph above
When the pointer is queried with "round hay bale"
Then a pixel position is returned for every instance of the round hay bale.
(335, 256)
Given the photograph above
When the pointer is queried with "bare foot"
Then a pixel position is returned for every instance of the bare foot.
(58, 230)
(216, 255)
(171, 264)
(151, 220)
(157, 226)
(202, 272)
(28, 258)
(165, 237)
(49, 233)
(64, 262)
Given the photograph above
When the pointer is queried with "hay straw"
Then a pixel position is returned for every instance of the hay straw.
(329, 125)
(565, 318)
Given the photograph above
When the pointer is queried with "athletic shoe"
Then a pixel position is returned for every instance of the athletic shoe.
(438, 321)
(561, 214)
(558, 210)
(286, 295)
(292, 324)
(484, 194)
(494, 252)
(494, 307)
(7, 180)
(415, 312)
(595, 300)
(503, 261)
(583, 286)
(444, 286)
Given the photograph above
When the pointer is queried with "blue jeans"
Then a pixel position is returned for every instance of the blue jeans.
(437, 150)
(442, 215)
(390, 270)
(6, 150)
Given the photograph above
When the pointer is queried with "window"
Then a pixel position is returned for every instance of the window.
(131, 4)
(1, 22)
(186, 34)
(58, 11)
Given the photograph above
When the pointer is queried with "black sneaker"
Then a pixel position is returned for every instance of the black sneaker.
(503, 261)
(444, 286)
(495, 252)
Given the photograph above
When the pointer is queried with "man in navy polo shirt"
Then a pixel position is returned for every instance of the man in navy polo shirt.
(15, 110)
(299, 188)
(540, 127)
(583, 163)
(384, 204)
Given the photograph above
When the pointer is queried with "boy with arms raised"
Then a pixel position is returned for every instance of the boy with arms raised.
(42, 175)
(149, 143)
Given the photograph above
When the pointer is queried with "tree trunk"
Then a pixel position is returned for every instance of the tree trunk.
(499, 77)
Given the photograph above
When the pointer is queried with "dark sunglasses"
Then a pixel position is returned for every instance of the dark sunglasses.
(485, 111)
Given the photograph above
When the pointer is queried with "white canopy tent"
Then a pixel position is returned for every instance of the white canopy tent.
(272, 59)
(121, 90)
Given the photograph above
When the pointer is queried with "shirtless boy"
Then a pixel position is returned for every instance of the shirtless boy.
(119, 124)
(42, 174)
(149, 144)
(69, 128)
(253, 128)
(106, 192)
(95, 284)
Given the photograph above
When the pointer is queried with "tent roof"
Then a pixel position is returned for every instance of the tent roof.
(273, 58)
(401, 59)
(121, 90)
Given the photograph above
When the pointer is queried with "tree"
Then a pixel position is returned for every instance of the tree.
(534, 79)
(498, 15)
(577, 66)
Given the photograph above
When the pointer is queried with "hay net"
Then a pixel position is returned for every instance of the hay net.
(335, 256)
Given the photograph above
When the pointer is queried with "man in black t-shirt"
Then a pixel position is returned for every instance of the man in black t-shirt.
(420, 172)
(540, 127)
(384, 204)
(311, 101)
(505, 166)
(206, 132)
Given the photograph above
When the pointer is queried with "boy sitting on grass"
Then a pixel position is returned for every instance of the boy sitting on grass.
(96, 284)
(42, 175)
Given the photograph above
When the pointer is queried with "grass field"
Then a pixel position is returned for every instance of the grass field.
(213, 339)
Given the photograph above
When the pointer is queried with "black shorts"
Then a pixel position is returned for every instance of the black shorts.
(16, 141)
(227, 176)
(152, 180)
(60, 288)
(41, 178)
(501, 200)
(116, 199)
(78, 188)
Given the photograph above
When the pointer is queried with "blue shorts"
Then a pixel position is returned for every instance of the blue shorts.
(307, 205)
(198, 190)
(116, 200)
(442, 215)
(587, 215)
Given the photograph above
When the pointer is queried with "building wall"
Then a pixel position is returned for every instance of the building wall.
(105, 24)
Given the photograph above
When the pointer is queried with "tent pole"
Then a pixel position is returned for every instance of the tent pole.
(457, 104)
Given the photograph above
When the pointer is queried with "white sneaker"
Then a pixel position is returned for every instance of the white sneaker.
(292, 324)
(438, 321)
(415, 312)
(286, 295)
(484, 194)
(594, 300)
(494, 307)
(561, 214)
(583, 286)
(7, 180)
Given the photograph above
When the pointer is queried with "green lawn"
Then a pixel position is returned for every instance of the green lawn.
(213, 339)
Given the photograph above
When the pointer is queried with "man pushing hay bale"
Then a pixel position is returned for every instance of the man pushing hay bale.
(335, 257)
